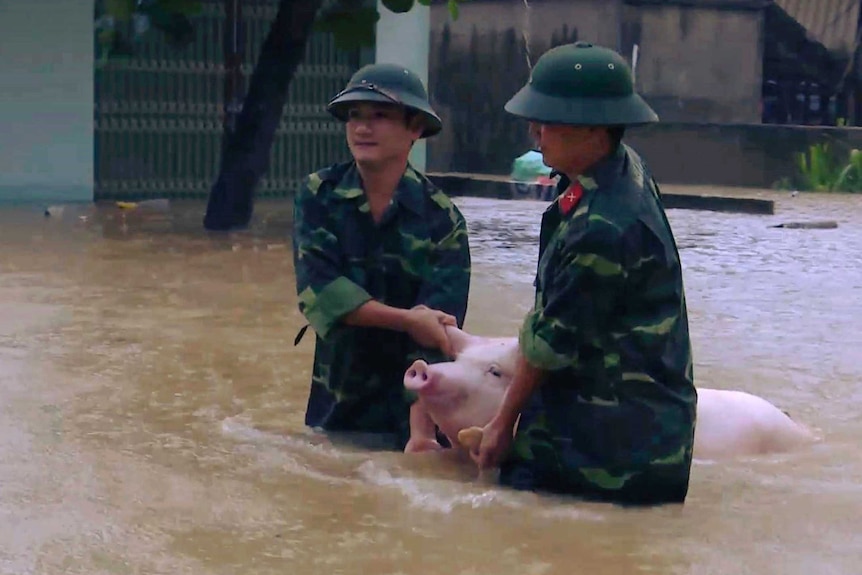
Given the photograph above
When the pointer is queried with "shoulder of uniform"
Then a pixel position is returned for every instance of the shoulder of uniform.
(431, 190)
(638, 168)
(330, 174)
(604, 212)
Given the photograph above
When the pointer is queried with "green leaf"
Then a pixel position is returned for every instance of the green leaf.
(398, 6)
(105, 37)
(424, 2)
(351, 28)
(120, 10)
(453, 9)
(176, 27)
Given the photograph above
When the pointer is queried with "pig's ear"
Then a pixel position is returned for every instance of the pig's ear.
(458, 338)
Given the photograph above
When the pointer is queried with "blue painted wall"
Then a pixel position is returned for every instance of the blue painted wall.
(46, 103)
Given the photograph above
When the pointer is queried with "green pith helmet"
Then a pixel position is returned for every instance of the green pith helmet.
(389, 84)
(584, 85)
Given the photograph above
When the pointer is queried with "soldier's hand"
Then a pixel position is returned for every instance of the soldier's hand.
(427, 327)
(494, 445)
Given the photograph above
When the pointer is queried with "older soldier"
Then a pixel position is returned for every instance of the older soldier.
(604, 386)
(382, 261)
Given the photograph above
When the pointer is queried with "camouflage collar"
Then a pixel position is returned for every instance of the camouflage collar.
(606, 172)
(409, 192)
(601, 175)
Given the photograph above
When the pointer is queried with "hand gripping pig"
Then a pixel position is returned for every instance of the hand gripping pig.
(463, 395)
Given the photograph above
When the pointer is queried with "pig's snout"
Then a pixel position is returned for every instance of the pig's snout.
(417, 376)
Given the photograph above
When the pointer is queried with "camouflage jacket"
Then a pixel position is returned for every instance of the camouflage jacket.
(418, 254)
(615, 416)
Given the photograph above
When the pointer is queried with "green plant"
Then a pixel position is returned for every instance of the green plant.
(819, 169)
(121, 24)
(850, 178)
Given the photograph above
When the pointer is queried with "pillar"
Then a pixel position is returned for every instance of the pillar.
(405, 39)
(46, 104)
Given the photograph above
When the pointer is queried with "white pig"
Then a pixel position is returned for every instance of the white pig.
(465, 393)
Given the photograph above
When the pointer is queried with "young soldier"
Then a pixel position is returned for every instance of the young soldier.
(604, 387)
(382, 261)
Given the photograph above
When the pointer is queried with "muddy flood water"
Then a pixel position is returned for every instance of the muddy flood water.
(151, 409)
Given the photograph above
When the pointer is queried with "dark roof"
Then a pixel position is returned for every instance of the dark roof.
(714, 4)
(830, 22)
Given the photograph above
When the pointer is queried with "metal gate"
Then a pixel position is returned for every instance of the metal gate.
(158, 115)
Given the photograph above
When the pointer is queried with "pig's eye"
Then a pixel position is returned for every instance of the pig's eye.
(494, 371)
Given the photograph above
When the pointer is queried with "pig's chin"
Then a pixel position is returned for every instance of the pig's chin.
(438, 396)
(452, 420)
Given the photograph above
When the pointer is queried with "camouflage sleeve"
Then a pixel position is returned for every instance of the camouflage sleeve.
(578, 299)
(324, 294)
(447, 282)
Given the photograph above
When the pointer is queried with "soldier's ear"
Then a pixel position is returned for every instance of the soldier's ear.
(415, 123)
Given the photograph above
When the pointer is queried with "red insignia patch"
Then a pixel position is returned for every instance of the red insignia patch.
(571, 197)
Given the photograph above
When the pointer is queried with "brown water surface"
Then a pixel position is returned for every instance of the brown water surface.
(151, 405)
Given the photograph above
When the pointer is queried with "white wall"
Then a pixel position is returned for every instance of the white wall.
(46, 100)
(405, 39)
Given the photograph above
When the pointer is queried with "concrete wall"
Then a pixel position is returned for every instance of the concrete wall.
(480, 60)
(595, 20)
(754, 155)
(46, 103)
(697, 64)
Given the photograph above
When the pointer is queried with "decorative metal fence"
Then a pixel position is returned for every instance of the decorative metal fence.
(158, 115)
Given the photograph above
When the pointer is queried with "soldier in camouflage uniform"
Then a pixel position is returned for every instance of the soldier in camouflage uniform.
(382, 262)
(604, 387)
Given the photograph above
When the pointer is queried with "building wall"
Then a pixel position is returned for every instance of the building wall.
(697, 64)
(478, 61)
(596, 20)
(736, 155)
(46, 104)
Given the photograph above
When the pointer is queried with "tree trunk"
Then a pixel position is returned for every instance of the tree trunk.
(246, 153)
(233, 80)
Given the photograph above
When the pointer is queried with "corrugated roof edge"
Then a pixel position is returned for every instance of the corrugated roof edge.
(711, 4)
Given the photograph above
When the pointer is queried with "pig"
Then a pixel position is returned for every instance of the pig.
(463, 395)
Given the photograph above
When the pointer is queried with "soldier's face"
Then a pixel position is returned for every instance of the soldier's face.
(378, 134)
(566, 148)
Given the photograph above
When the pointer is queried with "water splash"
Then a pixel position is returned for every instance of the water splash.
(439, 496)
